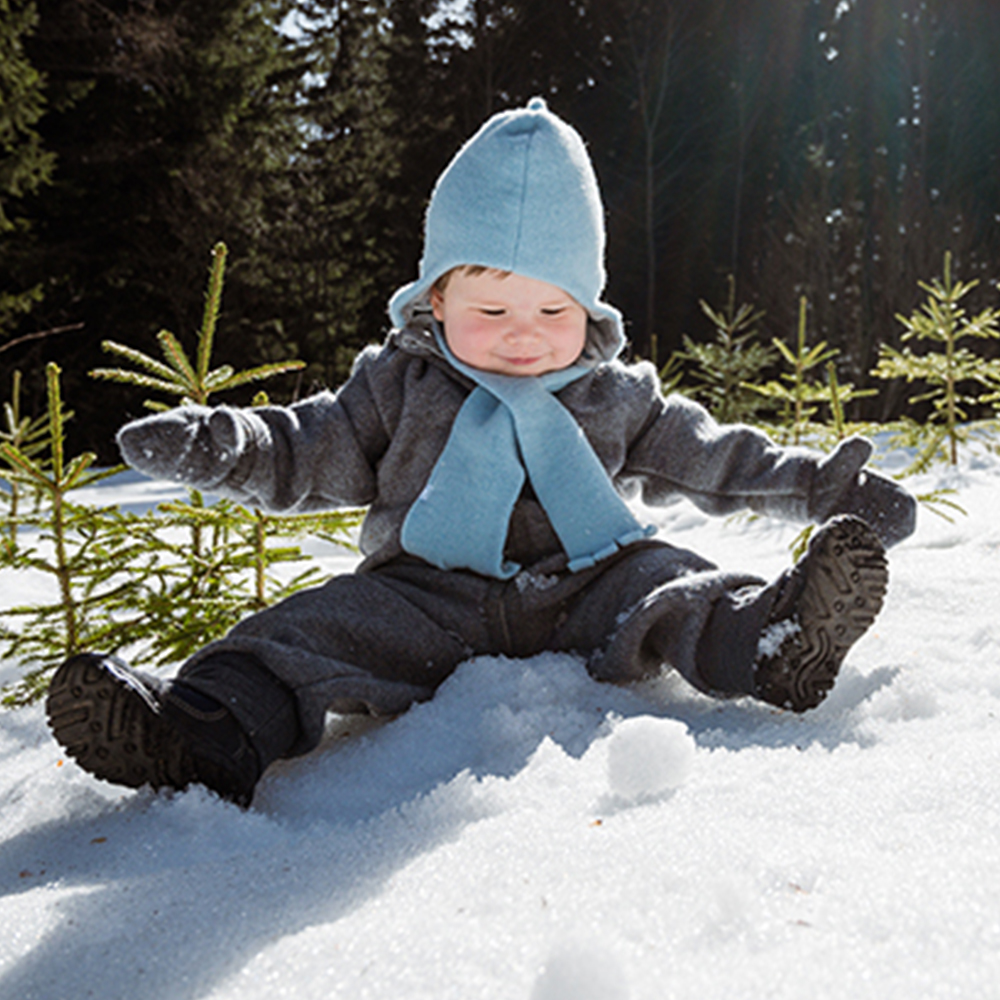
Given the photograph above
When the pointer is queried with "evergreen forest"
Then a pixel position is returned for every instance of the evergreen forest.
(812, 159)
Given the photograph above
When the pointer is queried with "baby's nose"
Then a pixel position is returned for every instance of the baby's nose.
(520, 329)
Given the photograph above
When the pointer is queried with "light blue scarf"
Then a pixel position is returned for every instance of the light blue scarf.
(462, 517)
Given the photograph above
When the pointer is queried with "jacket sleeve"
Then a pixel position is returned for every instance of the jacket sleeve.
(318, 454)
(682, 450)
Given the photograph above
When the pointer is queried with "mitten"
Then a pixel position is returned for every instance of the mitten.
(195, 445)
(884, 504)
(842, 486)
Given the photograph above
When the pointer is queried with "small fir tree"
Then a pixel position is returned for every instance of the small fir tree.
(72, 547)
(725, 368)
(192, 383)
(166, 582)
(948, 371)
(799, 395)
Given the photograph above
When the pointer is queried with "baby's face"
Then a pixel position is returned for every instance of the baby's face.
(509, 324)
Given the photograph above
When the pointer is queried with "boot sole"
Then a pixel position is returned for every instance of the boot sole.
(844, 590)
(109, 726)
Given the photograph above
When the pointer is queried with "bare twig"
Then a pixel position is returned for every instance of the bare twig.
(40, 333)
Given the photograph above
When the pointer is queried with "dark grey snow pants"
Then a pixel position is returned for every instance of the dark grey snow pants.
(383, 639)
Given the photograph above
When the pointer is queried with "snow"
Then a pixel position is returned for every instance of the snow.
(774, 636)
(533, 834)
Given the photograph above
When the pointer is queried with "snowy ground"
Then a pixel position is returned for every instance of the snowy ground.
(532, 834)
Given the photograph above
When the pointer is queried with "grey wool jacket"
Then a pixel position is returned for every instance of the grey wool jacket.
(376, 440)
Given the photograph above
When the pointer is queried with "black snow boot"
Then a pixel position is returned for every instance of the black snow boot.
(133, 729)
(826, 603)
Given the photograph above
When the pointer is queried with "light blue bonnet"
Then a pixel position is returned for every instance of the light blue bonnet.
(521, 195)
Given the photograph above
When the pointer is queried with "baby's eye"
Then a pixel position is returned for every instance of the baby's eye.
(492, 312)
(554, 311)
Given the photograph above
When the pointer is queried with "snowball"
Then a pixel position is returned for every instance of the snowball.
(648, 756)
(581, 971)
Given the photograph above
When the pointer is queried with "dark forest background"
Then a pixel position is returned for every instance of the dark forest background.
(832, 149)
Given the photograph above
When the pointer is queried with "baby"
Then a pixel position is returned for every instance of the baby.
(493, 437)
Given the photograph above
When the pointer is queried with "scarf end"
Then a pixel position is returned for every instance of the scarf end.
(592, 559)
